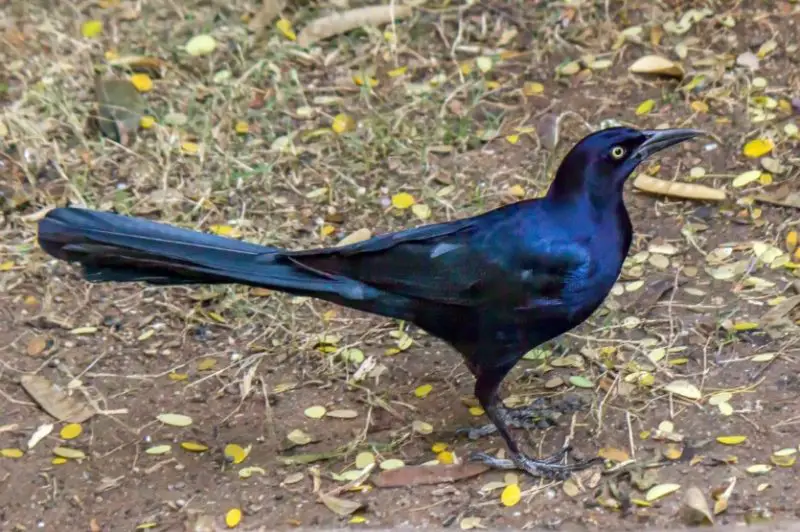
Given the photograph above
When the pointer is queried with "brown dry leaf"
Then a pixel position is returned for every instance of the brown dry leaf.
(270, 9)
(339, 506)
(138, 61)
(337, 23)
(657, 65)
(36, 346)
(695, 508)
(653, 185)
(433, 474)
(55, 401)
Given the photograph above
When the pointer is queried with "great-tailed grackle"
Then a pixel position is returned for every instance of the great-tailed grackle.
(493, 286)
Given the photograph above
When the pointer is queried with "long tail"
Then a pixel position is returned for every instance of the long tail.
(111, 247)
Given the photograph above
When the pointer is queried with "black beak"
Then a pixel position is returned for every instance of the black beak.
(659, 139)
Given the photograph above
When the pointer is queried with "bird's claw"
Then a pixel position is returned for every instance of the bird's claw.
(548, 467)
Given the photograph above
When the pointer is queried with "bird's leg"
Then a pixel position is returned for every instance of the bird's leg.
(541, 414)
(486, 391)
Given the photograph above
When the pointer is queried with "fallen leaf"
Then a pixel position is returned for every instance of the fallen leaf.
(758, 148)
(759, 469)
(645, 107)
(342, 413)
(423, 390)
(653, 185)
(337, 23)
(11, 453)
(70, 431)
(511, 495)
(661, 490)
(36, 346)
(745, 178)
(315, 412)
(66, 452)
(55, 400)
(91, 28)
(684, 389)
(247, 472)
(695, 508)
(402, 200)
(194, 446)
(142, 82)
(235, 453)
(285, 27)
(233, 517)
(731, 440)
(298, 437)
(392, 463)
(201, 45)
(39, 434)
(657, 65)
(342, 123)
(339, 506)
(158, 449)
(175, 420)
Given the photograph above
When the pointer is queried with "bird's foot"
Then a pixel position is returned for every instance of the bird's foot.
(539, 415)
(548, 467)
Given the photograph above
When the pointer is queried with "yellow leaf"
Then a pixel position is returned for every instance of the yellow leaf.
(364, 459)
(759, 469)
(233, 517)
(247, 472)
(731, 440)
(207, 364)
(745, 326)
(58, 461)
(423, 391)
(745, 178)
(421, 211)
(613, 454)
(758, 147)
(146, 122)
(91, 28)
(175, 420)
(465, 68)
(397, 72)
(190, 148)
(358, 79)
(71, 431)
(791, 241)
(511, 495)
(11, 453)
(517, 191)
(532, 88)
(66, 452)
(403, 200)
(315, 412)
(158, 449)
(326, 230)
(661, 490)
(285, 27)
(242, 127)
(512, 139)
(699, 107)
(178, 376)
(235, 453)
(765, 179)
(645, 107)
(142, 82)
(492, 85)
(343, 123)
(484, 63)
(392, 463)
(225, 230)
(445, 457)
(6, 266)
(438, 447)
(201, 45)
(194, 446)
(476, 411)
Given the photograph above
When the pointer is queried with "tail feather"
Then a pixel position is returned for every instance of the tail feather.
(112, 247)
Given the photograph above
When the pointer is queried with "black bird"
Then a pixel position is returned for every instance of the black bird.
(493, 286)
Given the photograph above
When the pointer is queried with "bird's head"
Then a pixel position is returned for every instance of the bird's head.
(601, 162)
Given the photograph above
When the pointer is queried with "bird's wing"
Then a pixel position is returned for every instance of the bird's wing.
(468, 263)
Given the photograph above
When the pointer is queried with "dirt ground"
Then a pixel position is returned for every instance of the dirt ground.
(464, 106)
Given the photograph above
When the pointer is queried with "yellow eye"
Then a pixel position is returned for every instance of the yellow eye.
(618, 152)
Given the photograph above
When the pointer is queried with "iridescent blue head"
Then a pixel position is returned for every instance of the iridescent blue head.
(601, 162)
